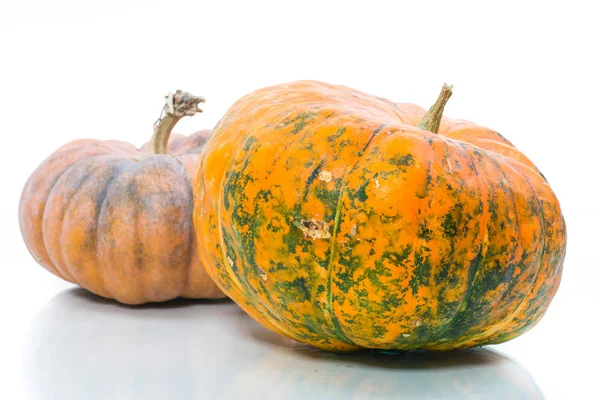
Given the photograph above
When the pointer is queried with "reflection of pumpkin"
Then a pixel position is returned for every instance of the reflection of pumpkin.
(344, 220)
(117, 220)
(82, 347)
(469, 374)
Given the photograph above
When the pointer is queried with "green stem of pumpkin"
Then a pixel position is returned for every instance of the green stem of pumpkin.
(432, 119)
(177, 106)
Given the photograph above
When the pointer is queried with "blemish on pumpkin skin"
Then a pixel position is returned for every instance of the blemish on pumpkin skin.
(262, 274)
(377, 183)
(325, 176)
(230, 261)
(314, 229)
(353, 230)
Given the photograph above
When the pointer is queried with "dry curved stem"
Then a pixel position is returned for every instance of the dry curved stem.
(177, 106)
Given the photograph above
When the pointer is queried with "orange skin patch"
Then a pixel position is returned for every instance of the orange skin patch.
(328, 216)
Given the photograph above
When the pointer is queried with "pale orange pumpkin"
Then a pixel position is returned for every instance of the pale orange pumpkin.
(117, 220)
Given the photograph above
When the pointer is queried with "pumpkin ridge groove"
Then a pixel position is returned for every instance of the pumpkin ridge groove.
(476, 263)
(275, 321)
(336, 222)
(517, 223)
(133, 194)
(50, 194)
(102, 197)
(44, 208)
(460, 142)
(43, 213)
(192, 231)
(518, 308)
(62, 224)
(509, 271)
(453, 241)
(423, 200)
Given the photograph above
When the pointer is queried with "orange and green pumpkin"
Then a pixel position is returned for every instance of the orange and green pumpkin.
(347, 221)
(117, 220)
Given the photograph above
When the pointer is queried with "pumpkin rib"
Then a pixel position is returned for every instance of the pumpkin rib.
(117, 268)
(382, 141)
(334, 319)
(63, 219)
(538, 311)
(140, 255)
(43, 208)
(540, 256)
(453, 242)
(57, 263)
(43, 247)
(135, 223)
(97, 169)
(188, 203)
(500, 297)
(99, 216)
(33, 202)
(467, 267)
(339, 205)
(343, 341)
(235, 278)
(115, 169)
(157, 189)
(337, 334)
(192, 235)
(343, 194)
(474, 268)
(525, 299)
(523, 325)
(426, 158)
(76, 257)
(512, 261)
(528, 164)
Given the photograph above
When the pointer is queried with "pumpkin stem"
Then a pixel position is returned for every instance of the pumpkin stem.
(177, 106)
(432, 119)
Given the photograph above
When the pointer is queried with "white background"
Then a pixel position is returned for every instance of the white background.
(73, 69)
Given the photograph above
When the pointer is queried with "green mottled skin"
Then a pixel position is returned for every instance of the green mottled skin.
(427, 241)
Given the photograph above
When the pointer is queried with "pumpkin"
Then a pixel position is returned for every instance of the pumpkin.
(347, 221)
(117, 220)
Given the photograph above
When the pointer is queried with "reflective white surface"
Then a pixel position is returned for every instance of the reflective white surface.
(83, 347)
